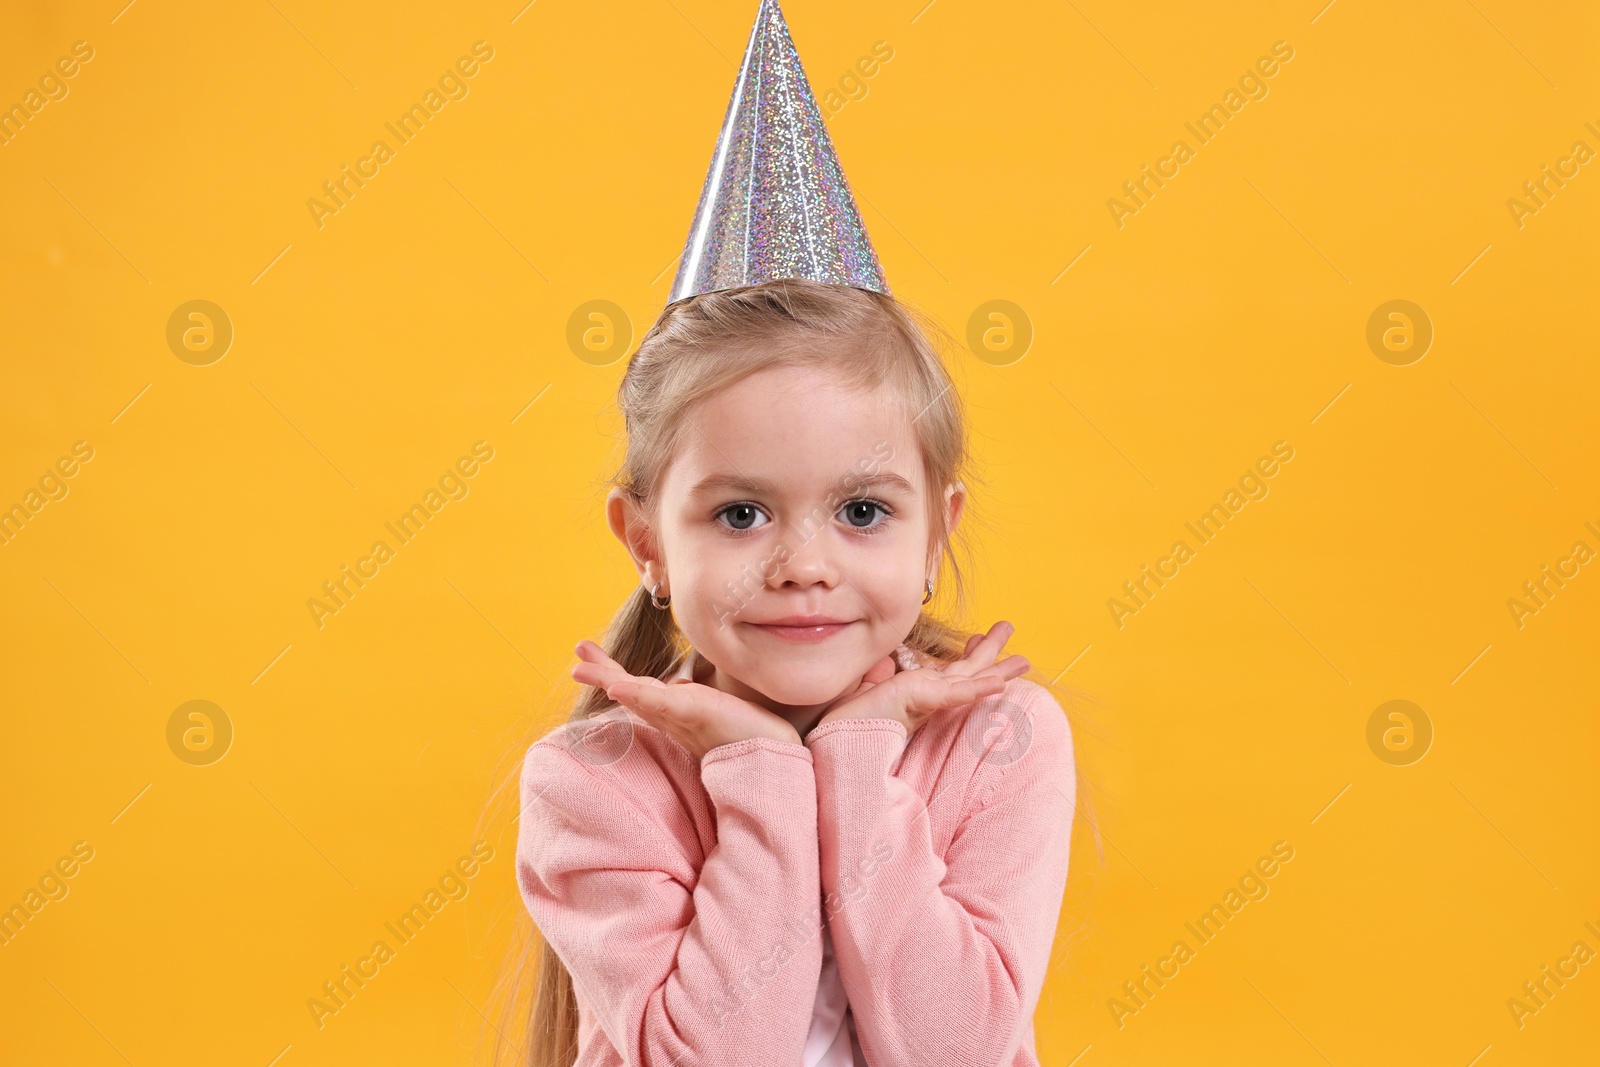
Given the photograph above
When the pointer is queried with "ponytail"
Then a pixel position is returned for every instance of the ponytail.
(646, 642)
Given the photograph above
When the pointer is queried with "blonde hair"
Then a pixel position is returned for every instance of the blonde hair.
(697, 347)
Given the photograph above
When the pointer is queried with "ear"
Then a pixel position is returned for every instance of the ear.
(626, 518)
(955, 503)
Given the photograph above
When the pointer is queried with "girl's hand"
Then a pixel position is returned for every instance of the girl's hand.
(697, 716)
(912, 696)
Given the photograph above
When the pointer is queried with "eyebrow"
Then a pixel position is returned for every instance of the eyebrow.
(762, 487)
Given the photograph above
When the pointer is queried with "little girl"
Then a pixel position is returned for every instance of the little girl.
(795, 819)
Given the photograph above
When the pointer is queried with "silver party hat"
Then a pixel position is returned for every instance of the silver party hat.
(775, 203)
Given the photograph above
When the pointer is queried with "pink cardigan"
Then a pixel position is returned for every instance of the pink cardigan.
(687, 901)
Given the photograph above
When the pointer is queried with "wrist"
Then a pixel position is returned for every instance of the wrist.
(780, 730)
(749, 746)
(860, 720)
(851, 730)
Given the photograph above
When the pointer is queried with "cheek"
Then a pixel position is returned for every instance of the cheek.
(899, 574)
(713, 578)
(892, 575)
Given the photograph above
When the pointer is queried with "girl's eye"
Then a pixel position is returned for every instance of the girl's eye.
(860, 514)
(740, 516)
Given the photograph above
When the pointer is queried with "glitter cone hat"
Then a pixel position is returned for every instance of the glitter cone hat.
(775, 203)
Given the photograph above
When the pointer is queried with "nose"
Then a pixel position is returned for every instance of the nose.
(809, 560)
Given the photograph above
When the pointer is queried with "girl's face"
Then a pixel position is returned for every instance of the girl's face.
(793, 535)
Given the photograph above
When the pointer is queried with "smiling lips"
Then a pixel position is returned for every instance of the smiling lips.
(801, 627)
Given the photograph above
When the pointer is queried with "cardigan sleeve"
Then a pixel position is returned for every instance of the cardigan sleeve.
(677, 965)
(943, 956)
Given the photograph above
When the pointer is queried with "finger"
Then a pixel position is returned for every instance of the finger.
(967, 690)
(981, 650)
(591, 670)
(601, 675)
(1007, 669)
(962, 665)
(988, 649)
(595, 675)
(933, 693)
(593, 654)
(590, 652)
(955, 693)
(627, 695)
(665, 701)
(881, 671)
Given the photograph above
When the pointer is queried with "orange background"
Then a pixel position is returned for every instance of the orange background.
(431, 312)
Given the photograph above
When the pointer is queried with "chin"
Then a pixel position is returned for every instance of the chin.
(799, 675)
(800, 692)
